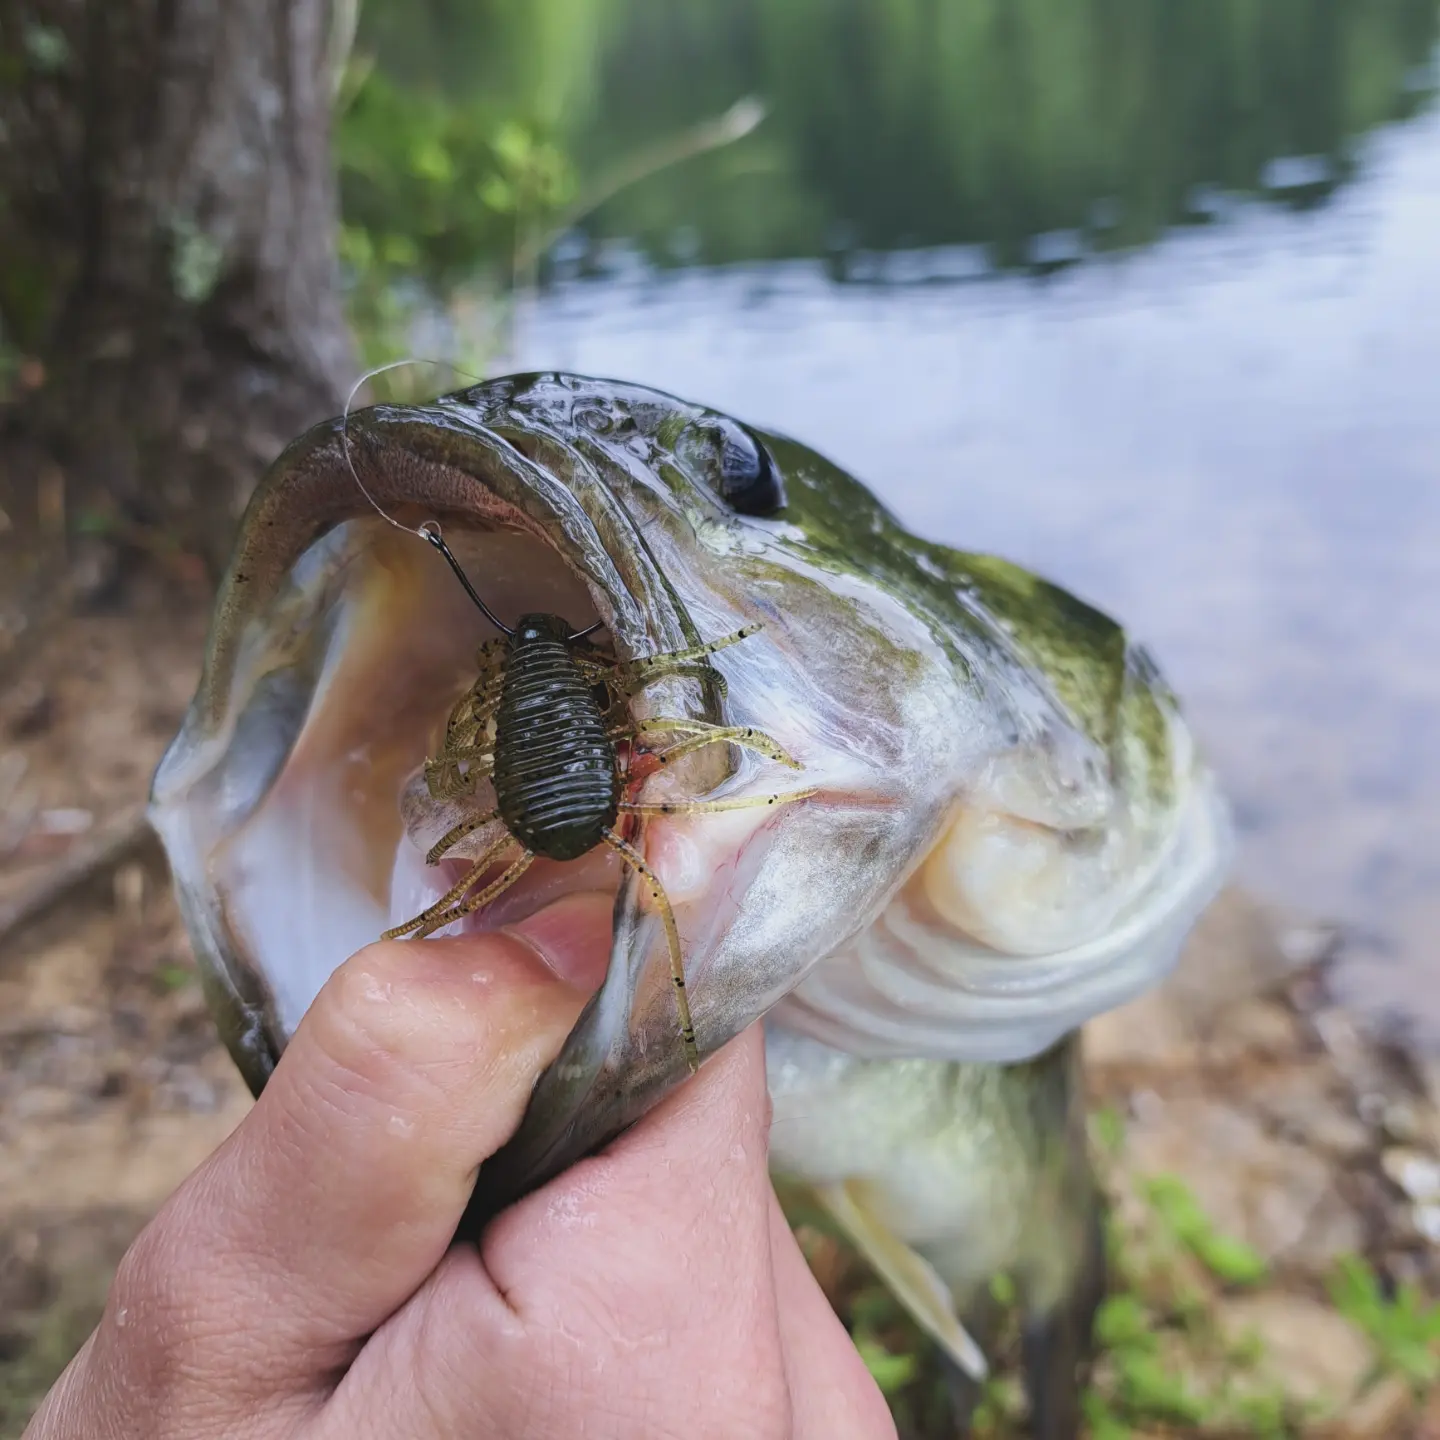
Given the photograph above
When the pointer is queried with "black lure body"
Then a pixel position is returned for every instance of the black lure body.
(557, 779)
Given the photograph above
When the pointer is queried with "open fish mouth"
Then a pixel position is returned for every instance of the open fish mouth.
(982, 862)
(330, 853)
(293, 802)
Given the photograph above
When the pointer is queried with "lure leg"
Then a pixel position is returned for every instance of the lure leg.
(667, 658)
(464, 734)
(710, 807)
(620, 683)
(454, 836)
(702, 734)
(490, 656)
(444, 778)
(632, 857)
(625, 685)
(468, 718)
(481, 700)
(430, 921)
(634, 675)
(455, 892)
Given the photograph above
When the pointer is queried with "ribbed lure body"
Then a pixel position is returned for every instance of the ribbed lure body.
(557, 783)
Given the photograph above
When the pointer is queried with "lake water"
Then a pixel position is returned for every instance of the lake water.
(1142, 295)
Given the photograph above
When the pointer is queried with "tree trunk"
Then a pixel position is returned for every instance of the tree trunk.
(167, 224)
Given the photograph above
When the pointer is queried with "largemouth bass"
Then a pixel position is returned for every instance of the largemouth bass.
(1009, 831)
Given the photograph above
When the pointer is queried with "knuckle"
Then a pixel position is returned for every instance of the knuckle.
(365, 1020)
(155, 1315)
(173, 1336)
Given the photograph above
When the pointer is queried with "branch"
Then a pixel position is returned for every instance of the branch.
(111, 844)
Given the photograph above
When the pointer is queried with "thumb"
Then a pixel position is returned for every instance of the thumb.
(341, 1190)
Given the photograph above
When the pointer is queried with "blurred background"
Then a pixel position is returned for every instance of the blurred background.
(1143, 295)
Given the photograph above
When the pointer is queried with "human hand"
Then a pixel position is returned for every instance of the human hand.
(302, 1284)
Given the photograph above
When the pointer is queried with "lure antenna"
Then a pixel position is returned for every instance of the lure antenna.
(430, 530)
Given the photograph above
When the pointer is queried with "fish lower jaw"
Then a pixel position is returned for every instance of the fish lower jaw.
(1021, 887)
(919, 981)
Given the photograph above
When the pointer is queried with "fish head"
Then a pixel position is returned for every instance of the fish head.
(963, 746)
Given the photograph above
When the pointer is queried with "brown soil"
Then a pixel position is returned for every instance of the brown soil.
(1295, 1132)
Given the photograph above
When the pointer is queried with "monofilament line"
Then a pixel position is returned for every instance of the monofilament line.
(432, 535)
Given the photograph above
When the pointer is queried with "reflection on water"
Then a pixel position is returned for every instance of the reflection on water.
(1222, 423)
(1233, 440)
(1039, 130)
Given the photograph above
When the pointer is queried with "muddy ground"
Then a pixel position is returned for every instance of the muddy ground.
(1275, 1170)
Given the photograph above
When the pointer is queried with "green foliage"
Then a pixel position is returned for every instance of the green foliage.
(890, 1372)
(174, 977)
(434, 192)
(1229, 1260)
(1002, 1290)
(1107, 1126)
(1404, 1327)
(470, 130)
(1162, 1360)
(196, 260)
(433, 188)
(906, 123)
(1123, 1323)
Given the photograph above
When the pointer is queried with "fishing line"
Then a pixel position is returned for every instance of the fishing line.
(432, 535)
(427, 530)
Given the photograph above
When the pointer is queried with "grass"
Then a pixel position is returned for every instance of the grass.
(1404, 1326)
(1165, 1365)
(31, 1359)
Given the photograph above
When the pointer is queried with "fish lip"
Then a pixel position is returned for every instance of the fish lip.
(434, 462)
(428, 462)
(423, 460)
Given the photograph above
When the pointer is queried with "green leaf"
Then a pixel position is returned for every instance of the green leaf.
(430, 161)
(94, 522)
(513, 145)
(1150, 1388)
(1229, 1260)
(1109, 1127)
(1262, 1415)
(1002, 1289)
(1104, 1423)
(498, 193)
(890, 1372)
(1405, 1329)
(1122, 1322)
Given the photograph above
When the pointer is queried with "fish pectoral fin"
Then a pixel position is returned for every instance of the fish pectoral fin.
(912, 1279)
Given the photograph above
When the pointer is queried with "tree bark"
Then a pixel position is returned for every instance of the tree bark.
(167, 224)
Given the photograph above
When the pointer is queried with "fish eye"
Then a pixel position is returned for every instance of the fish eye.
(749, 479)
